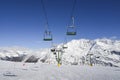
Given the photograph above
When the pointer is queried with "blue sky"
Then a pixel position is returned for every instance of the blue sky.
(22, 22)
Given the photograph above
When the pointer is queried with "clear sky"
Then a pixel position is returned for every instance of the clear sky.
(22, 22)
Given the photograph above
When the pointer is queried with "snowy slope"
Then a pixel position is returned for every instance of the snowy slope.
(41, 71)
(104, 52)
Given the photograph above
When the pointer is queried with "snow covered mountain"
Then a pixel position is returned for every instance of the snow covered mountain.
(104, 52)
(9, 53)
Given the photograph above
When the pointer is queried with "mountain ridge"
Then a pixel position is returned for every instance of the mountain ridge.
(104, 52)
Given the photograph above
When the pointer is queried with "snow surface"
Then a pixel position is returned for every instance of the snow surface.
(40, 71)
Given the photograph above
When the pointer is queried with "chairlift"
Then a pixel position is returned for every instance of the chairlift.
(65, 46)
(71, 30)
(47, 36)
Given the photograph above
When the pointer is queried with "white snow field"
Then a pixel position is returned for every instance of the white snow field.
(40, 71)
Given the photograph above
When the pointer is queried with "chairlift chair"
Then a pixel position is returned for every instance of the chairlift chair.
(65, 46)
(71, 30)
(47, 36)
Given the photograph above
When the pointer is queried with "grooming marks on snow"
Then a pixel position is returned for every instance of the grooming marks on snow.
(10, 74)
(64, 72)
(35, 68)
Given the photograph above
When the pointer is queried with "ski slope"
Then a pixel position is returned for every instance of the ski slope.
(40, 71)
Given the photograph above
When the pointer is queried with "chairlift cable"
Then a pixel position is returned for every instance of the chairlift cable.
(71, 30)
(73, 9)
(45, 14)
